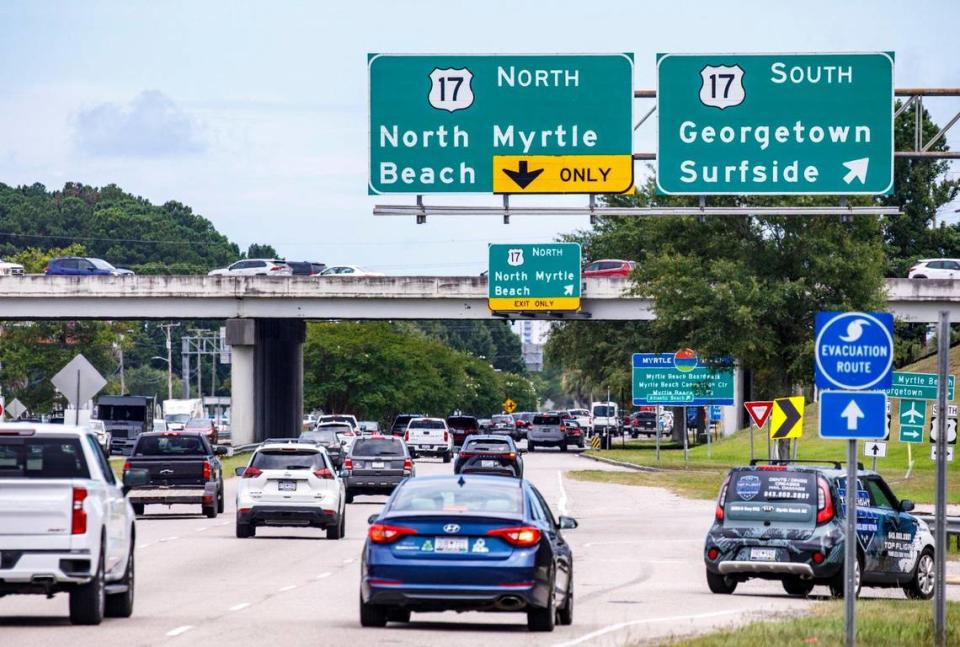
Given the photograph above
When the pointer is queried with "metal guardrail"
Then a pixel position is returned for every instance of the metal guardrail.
(953, 526)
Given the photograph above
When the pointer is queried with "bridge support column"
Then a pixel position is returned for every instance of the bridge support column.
(278, 374)
(241, 338)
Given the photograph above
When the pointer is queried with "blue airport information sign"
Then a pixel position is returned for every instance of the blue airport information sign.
(854, 350)
(853, 415)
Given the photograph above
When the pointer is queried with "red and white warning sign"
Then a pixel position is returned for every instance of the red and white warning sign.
(759, 411)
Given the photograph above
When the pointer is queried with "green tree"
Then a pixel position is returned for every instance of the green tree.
(256, 250)
(35, 259)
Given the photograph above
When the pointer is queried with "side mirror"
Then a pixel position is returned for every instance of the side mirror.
(906, 505)
(372, 518)
(239, 470)
(220, 450)
(135, 478)
(568, 523)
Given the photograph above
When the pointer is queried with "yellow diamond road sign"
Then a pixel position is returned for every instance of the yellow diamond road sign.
(786, 421)
(562, 173)
(509, 405)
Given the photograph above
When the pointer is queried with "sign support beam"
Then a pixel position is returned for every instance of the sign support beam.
(850, 548)
(940, 498)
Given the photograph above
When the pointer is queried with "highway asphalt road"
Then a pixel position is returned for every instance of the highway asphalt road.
(638, 565)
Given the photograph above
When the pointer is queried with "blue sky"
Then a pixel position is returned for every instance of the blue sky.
(254, 113)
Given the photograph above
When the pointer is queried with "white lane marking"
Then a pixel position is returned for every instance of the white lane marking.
(323, 575)
(144, 545)
(165, 539)
(201, 529)
(179, 630)
(223, 523)
(349, 561)
(239, 607)
(562, 501)
(288, 588)
(645, 621)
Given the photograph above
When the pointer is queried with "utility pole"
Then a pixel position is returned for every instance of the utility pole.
(166, 329)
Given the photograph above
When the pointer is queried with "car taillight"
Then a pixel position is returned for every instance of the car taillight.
(818, 557)
(407, 465)
(406, 436)
(207, 472)
(522, 536)
(563, 429)
(252, 472)
(512, 455)
(713, 553)
(323, 473)
(275, 268)
(825, 510)
(446, 437)
(468, 454)
(78, 521)
(722, 499)
(381, 533)
(348, 463)
(126, 467)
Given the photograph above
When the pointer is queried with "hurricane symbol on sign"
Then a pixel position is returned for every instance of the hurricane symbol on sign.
(854, 330)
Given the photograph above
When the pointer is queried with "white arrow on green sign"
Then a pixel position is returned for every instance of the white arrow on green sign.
(913, 413)
(775, 123)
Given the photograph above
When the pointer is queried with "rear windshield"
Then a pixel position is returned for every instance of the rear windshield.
(463, 422)
(471, 497)
(327, 436)
(346, 419)
(119, 412)
(492, 445)
(546, 420)
(286, 460)
(42, 458)
(502, 419)
(377, 447)
(773, 486)
(337, 429)
(579, 412)
(427, 424)
(604, 411)
(169, 446)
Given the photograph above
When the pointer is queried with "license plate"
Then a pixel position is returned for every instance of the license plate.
(285, 486)
(450, 545)
(377, 465)
(763, 554)
(489, 464)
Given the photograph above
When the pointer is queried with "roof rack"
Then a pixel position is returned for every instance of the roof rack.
(789, 461)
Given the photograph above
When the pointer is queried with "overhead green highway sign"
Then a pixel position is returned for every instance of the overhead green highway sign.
(775, 123)
(534, 277)
(504, 124)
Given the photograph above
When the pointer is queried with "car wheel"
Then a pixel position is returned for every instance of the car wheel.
(137, 508)
(336, 532)
(120, 605)
(220, 503)
(87, 601)
(720, 583)
(446, 457)
(563, 446)
(837, 582)
(372, 615)
(797, 586)
(398, 615)
(245, 530)
(543, 619)
(349, 497)
(565, 615)
(919, 276)
(531, 446)
(210, 511)
(921, 585)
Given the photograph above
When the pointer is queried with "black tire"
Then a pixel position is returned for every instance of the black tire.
(543, 619)
(446, 457)
(531, 446)
(398, 615)
(563, 446)
(245, 530)
(138, 508)
(120, 605)
(337, 532)
(349, 497)
(88, 601)
(221, 505)
(210, 511)
(372, 615)
(413, 455)
(922, 584)
(837, 582)
(797, 586)
(720, 584)
(565, 614)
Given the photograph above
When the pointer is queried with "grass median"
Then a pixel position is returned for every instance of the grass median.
(229, 463)
(890, 623)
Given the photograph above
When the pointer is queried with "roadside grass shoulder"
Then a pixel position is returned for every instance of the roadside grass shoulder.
(890, 623)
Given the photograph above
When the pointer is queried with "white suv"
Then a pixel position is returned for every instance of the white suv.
(255, 267)
(65, 522)
(290, 484)
(935, 268)
(429, 436)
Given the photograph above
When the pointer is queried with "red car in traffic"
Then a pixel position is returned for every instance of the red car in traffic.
(610, 268)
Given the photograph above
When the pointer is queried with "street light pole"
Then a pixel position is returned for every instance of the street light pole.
(166, 329)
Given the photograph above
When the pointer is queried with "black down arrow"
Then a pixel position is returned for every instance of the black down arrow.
(522, 176)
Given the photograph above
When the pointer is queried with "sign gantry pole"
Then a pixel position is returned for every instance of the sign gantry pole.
(940, 497)
(850, 548)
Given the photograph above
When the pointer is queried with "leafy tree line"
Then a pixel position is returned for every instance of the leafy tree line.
(750, 286)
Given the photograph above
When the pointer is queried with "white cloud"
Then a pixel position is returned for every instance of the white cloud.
(151, 125)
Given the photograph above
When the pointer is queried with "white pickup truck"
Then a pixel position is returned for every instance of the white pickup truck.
(65, 523)
(429, 436)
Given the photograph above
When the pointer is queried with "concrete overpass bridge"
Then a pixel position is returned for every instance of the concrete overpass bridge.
(266, 317)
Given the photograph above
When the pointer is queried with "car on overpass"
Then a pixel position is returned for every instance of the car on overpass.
(10, 269)
(65, 523)
(255, 267)
(784, 520)
(80, 266)
(608, 267)
(347, 271)
(935, 268)
(467, 543)
(290, 484)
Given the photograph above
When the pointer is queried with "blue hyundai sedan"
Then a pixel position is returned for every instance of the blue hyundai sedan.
(467, 543)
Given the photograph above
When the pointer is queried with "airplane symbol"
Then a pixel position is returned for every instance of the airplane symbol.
(912, 414)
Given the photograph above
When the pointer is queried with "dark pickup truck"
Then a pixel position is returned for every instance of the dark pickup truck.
(183, 468)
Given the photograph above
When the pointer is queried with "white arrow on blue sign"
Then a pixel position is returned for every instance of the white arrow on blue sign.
(854, 350)
(853, 415)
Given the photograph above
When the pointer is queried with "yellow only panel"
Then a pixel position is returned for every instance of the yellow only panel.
(520, 304)
(562, 173)
(786, 420)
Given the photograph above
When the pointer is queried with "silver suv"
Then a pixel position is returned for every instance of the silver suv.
(547, 430)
